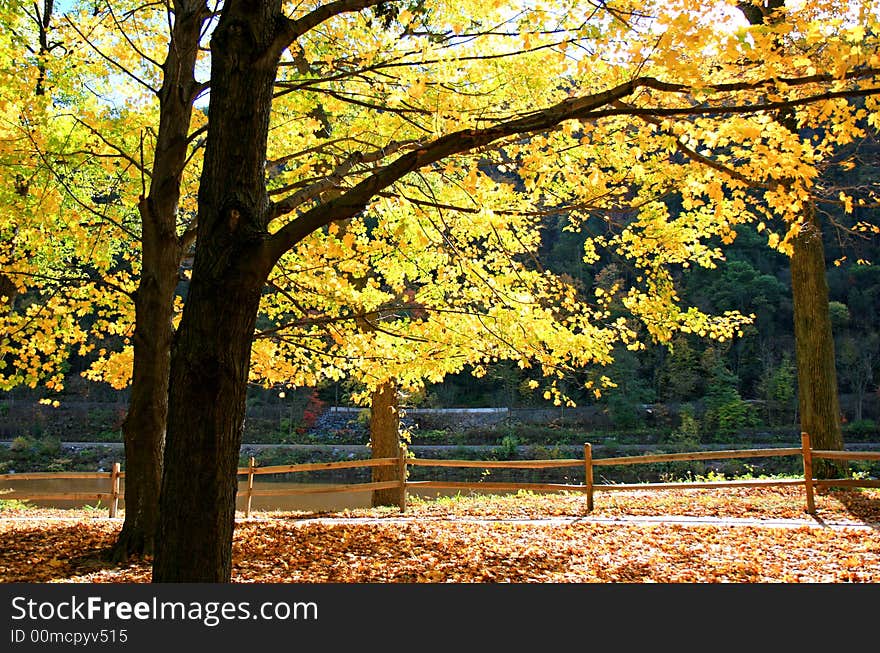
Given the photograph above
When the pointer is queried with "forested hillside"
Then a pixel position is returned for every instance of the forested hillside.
(749, 381)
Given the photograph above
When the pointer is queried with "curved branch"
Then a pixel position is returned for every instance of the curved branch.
(586, 107)
(289, 30)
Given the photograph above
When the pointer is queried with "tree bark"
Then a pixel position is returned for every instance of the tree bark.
(206, 413)
(385, 440)
(818, 401)
(210, 355)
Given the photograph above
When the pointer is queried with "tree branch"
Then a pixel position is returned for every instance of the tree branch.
(289, 30)
(109, 59)
(587, 107)
(334, 179)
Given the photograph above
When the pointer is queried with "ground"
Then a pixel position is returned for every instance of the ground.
(734, 535)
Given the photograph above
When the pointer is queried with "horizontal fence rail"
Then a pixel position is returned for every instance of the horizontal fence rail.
(113, 495)
(487, 464)
(115, 476)
(697, 455)
(400, 484)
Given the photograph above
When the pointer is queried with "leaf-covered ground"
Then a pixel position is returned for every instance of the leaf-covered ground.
(736, 535)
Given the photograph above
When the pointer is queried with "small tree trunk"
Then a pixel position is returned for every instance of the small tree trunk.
(385, 440)
(144, 427)
(818, 401)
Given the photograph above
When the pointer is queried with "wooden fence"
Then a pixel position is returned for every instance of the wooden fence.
(587, 463)
(113, 494)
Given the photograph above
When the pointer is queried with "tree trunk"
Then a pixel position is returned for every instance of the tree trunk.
(144, 427)
(385, 440)
(210, 355)
(818, 401)
(209, 371)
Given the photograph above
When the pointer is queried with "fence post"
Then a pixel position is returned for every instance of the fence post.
(401, 470)
(114, 489)
(250, 486)
(807, 451)
(588, 474)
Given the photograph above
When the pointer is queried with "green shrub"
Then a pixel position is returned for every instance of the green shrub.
(861, 428)
(508, 449)
(48, 447)
(724, 418)
(21, 444)
(687, 435)
(15, 504)
(59, 465)
(107, 435)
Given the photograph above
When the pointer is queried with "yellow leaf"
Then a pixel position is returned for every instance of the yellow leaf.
(417, 89)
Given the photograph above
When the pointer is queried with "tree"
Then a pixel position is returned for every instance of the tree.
(777, 388)
(142, 272)
(236, 249)
(857, 352)
(764, 169)
(162, 249)
(818, 400)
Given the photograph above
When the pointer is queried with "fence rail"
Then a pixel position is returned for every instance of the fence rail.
(116, 492)
(113, 495)
(251, 470)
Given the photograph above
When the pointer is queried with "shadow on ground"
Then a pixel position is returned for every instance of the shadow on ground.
(39, 555)
(862, 506)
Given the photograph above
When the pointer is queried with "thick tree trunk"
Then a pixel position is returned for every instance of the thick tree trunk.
(211, 352)
(818, 401)
(385, 440)
(209, 371)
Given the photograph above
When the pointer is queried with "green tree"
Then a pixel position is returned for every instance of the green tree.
(858, 351)
(779, 392)
(680, 372)
(726, 412)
